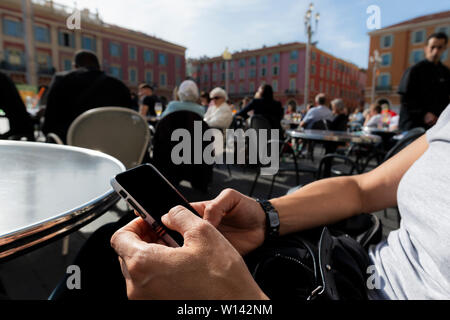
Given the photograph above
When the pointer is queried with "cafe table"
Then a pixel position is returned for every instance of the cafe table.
(358, 137)
(48, 191)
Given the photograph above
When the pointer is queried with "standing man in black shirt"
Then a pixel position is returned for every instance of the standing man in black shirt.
(425, 87)
(147, 100)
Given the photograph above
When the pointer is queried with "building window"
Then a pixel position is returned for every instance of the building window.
(131, 53)
(231, 88)
(42, 34)
(444, 29)
(115, 50)
(418, 36)
(116, 72)
(67, 64)
(293, 68)
(88, 43)
(149, 77)
(177, 62)
(214, 66)
(313, 56)
(313, 70)
(312, 85)
(148, 56)
(231, 75)
(205, 78)
(66, 39)
(253, 61)
(322, 59)
(276, 58)
(223, 76)
(163, 80)
(12, 28)
(214, 77)
(263, 72)
(386, 41)
(132, 75)
(252, 87)
(15, 57)
(294, 55)
(384, 80)
(241, 88)
(275, 85)
(252, 73)
(292, 84)
(321, 72)
(386, 59)
(242, 63)
(263, 59)
(242, 74)
(162, 59)
(275, 70)
(44, 61)
(416, 56)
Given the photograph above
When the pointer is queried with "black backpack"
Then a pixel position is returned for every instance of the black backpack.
(327, 263)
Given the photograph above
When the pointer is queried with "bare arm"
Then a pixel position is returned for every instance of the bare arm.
(143, 110)
(334, 199)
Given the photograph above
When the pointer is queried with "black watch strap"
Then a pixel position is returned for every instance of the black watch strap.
(272, 219)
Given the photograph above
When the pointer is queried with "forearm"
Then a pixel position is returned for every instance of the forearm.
(319, 203)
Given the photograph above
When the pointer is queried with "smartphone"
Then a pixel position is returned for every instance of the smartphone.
(152, 196)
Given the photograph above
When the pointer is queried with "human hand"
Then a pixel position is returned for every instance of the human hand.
(206, 267)
(238, 217)
(430, 119)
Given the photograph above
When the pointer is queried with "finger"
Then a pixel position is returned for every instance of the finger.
(180, 219)
(131, 239)
(216, 209)
(199, 206)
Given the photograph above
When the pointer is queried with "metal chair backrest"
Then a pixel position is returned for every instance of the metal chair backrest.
(120, 132)
(408, 138)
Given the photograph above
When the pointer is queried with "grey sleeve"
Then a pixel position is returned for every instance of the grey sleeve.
(435, 131)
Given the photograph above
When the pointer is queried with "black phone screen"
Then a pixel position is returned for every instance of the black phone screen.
(154, 193)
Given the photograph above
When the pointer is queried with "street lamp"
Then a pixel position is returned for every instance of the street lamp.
(227, 57)
(375, 60)
(309, 32)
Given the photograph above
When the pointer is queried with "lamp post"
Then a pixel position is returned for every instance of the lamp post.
(309, 32)
(31, 75)
(375, 60)
(227, 57)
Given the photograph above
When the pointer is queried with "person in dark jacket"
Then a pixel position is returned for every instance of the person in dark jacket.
(20, 122)
(425, 87)
(74, 92)
(264, 104)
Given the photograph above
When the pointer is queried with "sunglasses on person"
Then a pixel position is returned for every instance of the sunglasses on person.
(217, 98)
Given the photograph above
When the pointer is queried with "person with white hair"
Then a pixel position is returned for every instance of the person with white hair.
(219, 115)
(189, 95)
(320, 112)
(339, 123)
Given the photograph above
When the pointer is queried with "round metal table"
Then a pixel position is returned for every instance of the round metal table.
(48, 191)
(334, 136)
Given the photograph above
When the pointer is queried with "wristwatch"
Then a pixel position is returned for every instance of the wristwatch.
(272, 219)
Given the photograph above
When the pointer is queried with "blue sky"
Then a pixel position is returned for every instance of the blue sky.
(206, 27)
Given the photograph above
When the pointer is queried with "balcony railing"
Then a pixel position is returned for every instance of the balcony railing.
(4, 65)
(383, 88)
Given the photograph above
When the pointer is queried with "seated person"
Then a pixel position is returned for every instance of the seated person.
(321, 112)
(264, 105)
(412, 263)
(374, 118)
(339, 123)
(20, 121)
(219, 114)
(87, 87)
(357, 117)
(188, 95)
(147, 100)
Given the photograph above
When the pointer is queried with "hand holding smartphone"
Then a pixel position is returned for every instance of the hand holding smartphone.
(152, 196)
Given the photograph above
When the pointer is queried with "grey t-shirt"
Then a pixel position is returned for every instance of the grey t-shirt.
(414, 261)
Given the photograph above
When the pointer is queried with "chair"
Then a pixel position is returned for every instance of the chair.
(199, 175)
(119, 132)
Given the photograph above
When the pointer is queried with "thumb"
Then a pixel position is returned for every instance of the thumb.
(180, 219)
